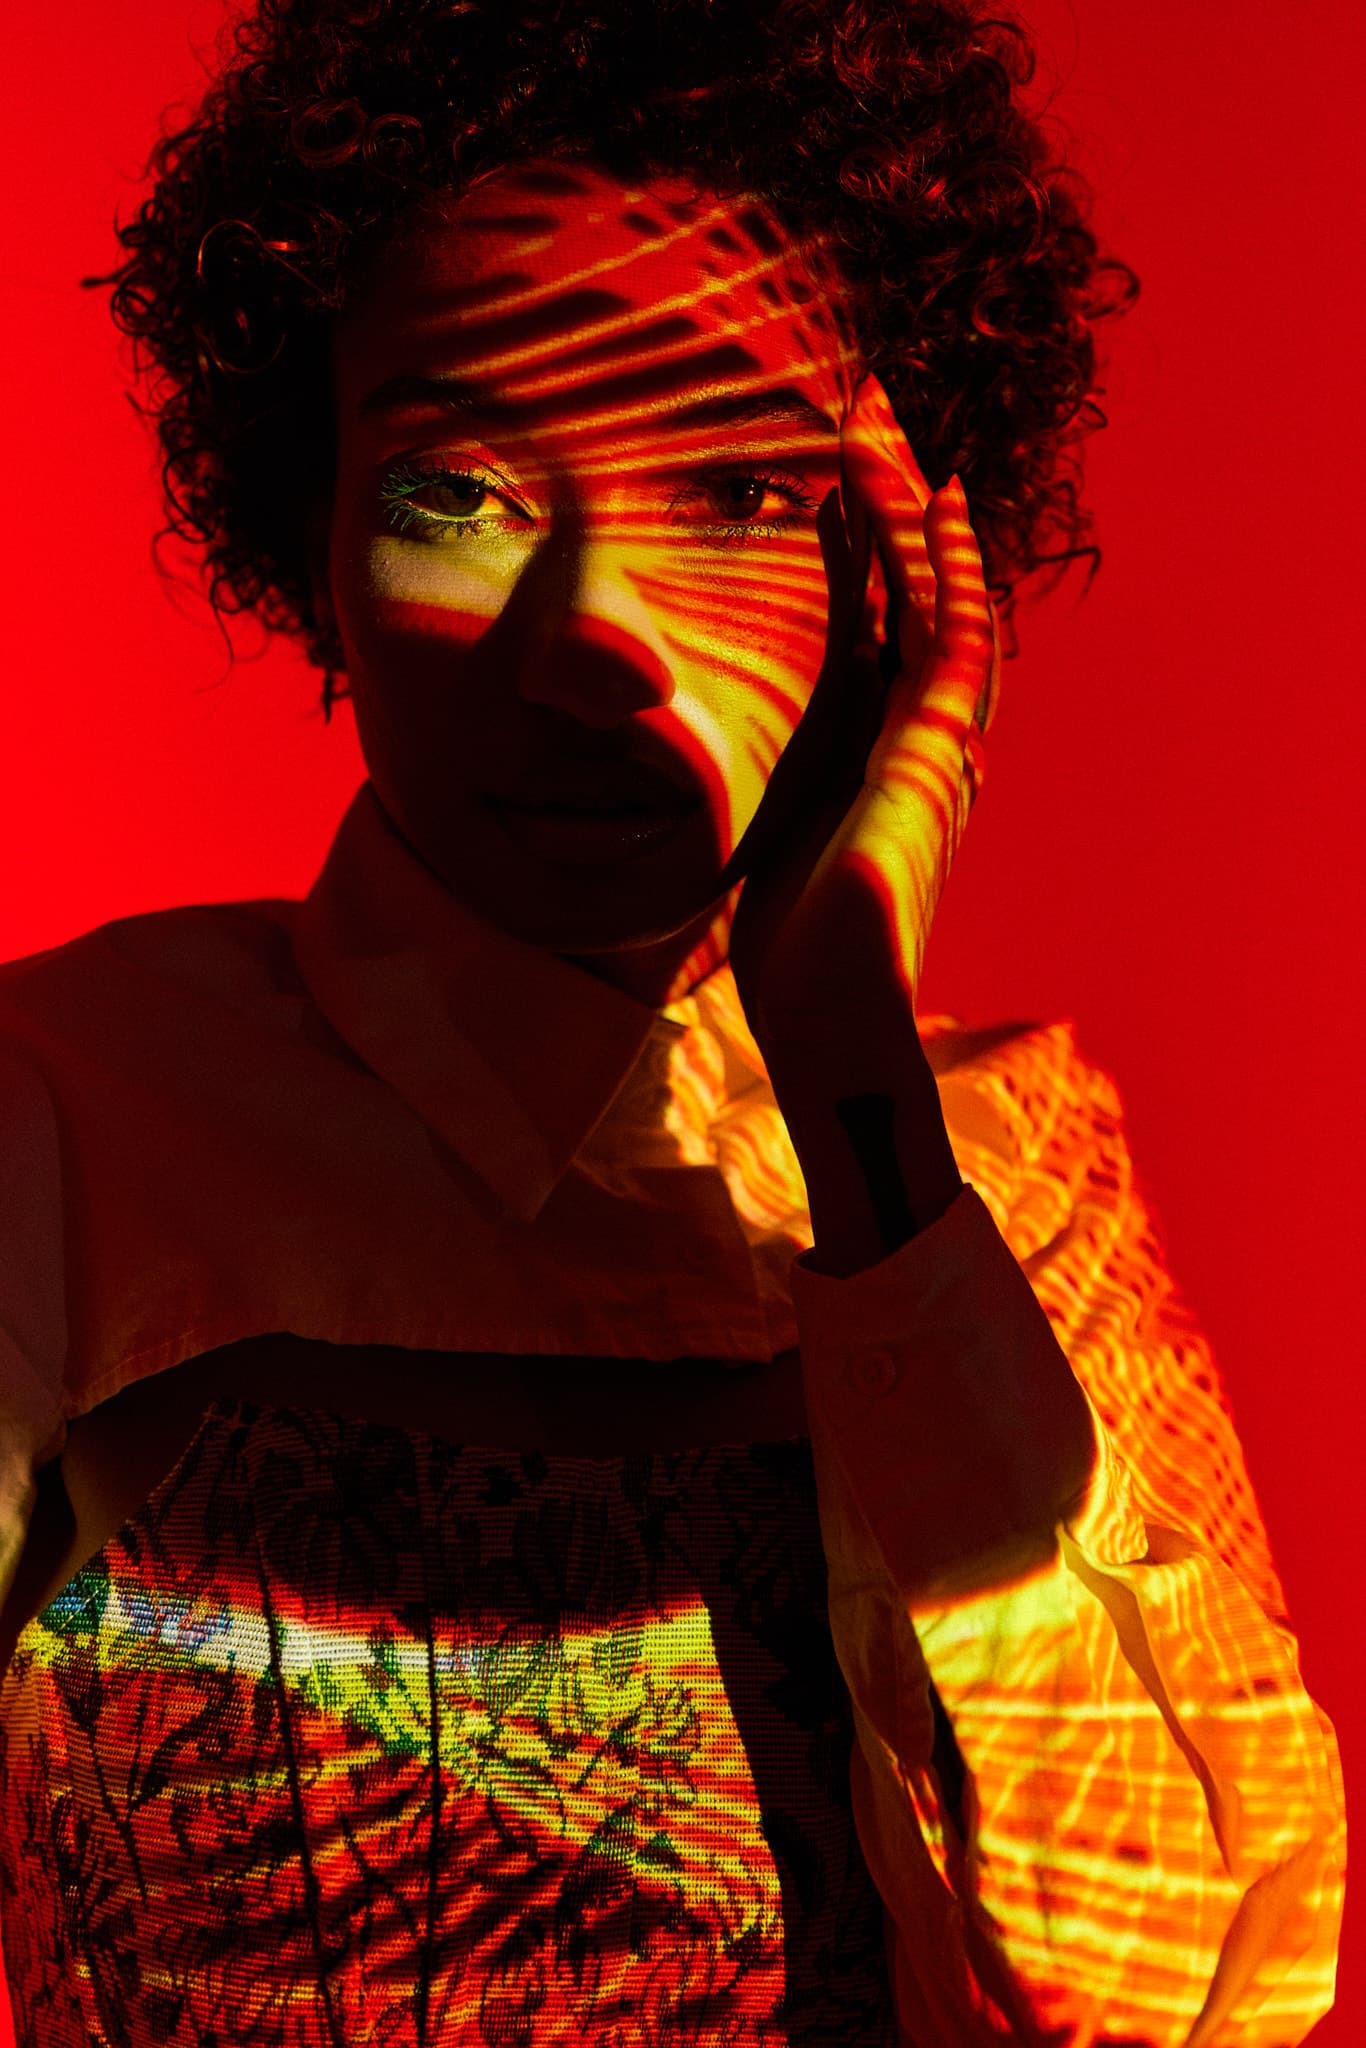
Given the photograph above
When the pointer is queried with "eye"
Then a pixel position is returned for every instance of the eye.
(740, 494)
(455, 497)
(455, 502)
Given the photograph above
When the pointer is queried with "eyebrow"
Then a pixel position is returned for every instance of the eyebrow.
(786, 404)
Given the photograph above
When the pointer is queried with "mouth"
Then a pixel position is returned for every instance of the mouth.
(583, 835)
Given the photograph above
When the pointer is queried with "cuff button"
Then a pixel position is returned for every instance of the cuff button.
(874, 1373)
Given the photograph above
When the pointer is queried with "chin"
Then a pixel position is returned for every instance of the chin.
(607, 908)
(591, 929)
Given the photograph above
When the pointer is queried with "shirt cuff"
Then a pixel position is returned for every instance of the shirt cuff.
(935, 1381)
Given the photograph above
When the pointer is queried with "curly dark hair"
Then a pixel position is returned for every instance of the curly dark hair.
(895, 127)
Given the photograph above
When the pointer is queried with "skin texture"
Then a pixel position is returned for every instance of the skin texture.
(564, 566)
(614, 600)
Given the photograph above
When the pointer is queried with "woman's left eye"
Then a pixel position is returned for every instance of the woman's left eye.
(739, 492)
(456, 502)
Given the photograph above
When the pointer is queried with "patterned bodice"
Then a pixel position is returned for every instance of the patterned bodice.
(352, 1734)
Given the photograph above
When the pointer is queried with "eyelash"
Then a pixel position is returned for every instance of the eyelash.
(405, 478)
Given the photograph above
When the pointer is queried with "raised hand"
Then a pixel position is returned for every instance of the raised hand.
(849, 852)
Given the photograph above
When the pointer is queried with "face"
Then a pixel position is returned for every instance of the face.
(584, 427)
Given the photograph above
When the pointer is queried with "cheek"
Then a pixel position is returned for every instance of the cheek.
(763, 597)
(760, 621)
(764, 618)
(745, 669)
(387, 592)
(410, 623)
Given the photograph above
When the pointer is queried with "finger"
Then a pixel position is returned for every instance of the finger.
(991, 690)
(877, 425)
(820, 768)
(859, 543)
(964, 632)
(828, 705)
(929, 717)
(845, 710)
(975, 764)
(897, 531)
(874, 407)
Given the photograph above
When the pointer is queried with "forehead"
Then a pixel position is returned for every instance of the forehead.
(546, 260)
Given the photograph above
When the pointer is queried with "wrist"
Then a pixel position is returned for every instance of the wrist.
(877, 1161)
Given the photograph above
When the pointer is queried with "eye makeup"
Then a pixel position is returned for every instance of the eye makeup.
(406, 478)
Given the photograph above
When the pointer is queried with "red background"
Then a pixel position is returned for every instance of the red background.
(1168, 849)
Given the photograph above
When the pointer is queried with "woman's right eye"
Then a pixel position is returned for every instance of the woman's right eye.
(457, 498)
(453, 497)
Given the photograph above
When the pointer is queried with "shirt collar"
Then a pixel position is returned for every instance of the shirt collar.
(510, 1054)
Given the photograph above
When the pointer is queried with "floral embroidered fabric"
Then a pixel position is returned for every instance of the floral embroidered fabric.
(354, 1735)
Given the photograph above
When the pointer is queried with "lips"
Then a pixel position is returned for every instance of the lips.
(592, 838)
(598, 808)
(645, 794)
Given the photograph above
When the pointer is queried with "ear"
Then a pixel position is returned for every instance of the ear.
(317, 535)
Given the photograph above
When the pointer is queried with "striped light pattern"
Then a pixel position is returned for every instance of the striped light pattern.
(1154, 1848)
(1148, 1848)
(1150, 1815)
(610, 373)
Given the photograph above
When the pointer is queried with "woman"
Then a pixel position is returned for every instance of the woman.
(536, 1606)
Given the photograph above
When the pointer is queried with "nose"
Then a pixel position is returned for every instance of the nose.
(588, 645)
(599, 670)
